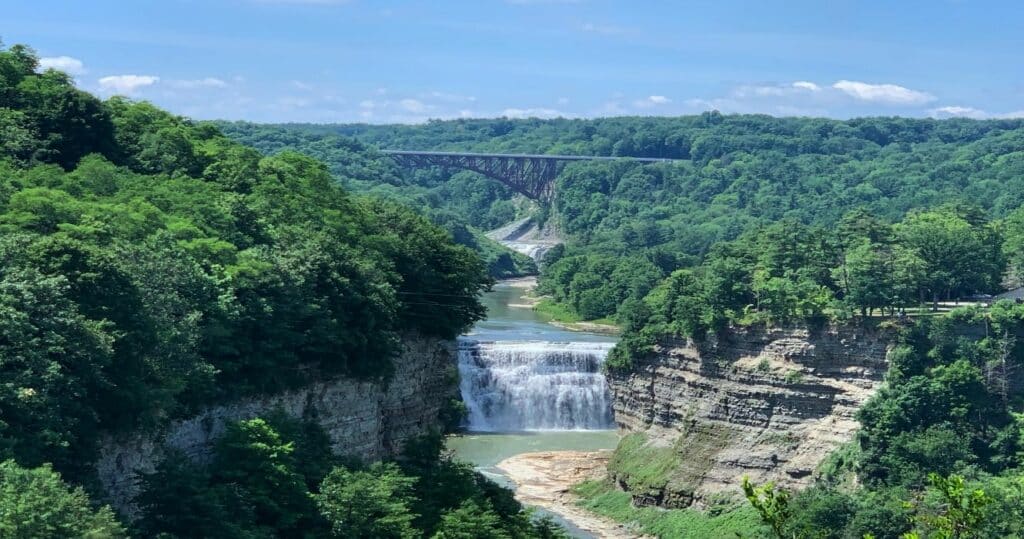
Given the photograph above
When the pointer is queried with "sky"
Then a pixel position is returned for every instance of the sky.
(389, 61)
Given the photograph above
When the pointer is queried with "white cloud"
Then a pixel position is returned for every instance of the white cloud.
(368, 104)
(298, 84)
(67, 64)
(883, 93)
(804, 85)
(126, 84)
(533, 113)
(777, 90)
(651, 101)
(957, 112)
(412, 105)
(563, 100)
(189, 84)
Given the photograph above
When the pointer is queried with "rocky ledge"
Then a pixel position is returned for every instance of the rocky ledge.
(770, 404)
(364, 419)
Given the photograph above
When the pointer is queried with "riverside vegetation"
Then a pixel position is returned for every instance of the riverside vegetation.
(787, 221)
(150, 266)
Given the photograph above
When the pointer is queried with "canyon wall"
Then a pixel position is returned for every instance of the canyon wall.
(770, 404)
(363, 419)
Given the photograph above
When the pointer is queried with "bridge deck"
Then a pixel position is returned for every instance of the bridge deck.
(527, 156)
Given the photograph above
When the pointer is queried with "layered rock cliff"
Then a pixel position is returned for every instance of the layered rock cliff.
(767, 403)
(364, 419)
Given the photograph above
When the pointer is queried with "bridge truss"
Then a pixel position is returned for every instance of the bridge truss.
(532, 176)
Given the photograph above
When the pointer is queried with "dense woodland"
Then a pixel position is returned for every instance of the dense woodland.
(787, 221)
(630, 225)
(464, 203)
(150, 266)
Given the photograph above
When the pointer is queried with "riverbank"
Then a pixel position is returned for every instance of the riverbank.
(553, 313)
(545, 479)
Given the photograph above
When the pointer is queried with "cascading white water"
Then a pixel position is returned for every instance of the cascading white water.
(534, 250)
(515, 386)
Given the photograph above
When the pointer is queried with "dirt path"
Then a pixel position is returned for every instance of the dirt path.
(543, 479)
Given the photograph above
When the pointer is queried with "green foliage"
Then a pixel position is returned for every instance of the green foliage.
(150, 266)
(253, 458)
(461, 202)
(961, 510)
(35, 503)
(180, 499)
(739, 174)
(819, 512)
(939, 413)
(603, 498)
(53, 358)
(471, 521)
(278, 478)
(938, 454)
(794, 376)
(642, 466)
(771, 504)
(368, 504)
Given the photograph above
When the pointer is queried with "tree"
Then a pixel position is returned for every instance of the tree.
(472, 520)
(54, 362)
(821, 513)
(960, 510)
(368, 504)
(252, 457)
(771, 504)
(180, 499)
(959, 256)
(35, 503)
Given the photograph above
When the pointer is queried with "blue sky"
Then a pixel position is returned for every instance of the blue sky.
(406, 61)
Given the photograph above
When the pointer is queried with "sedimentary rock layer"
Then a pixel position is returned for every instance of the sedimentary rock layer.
(767, 403)
(363, 419)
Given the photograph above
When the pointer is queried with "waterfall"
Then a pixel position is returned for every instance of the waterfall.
(514, 386)
(534, 250)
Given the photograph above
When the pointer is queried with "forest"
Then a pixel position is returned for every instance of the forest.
(629, 225)
(463, 203)
(150, 266)
(788, 221)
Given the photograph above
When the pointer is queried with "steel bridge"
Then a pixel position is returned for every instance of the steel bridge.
(532, 176)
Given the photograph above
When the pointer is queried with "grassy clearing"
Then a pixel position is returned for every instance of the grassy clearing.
(603, 498)
(549, 310)
(644, 468)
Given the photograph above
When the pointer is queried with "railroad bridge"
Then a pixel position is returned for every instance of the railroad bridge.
(531, 175)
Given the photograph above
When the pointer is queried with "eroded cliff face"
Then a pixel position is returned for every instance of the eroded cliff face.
(770, 404)
(363, 419)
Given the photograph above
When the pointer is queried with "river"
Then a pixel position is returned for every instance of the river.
(530, 386)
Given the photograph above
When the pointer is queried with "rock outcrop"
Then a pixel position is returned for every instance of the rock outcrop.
(767, 403)
(524, 236)
(363, 419)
